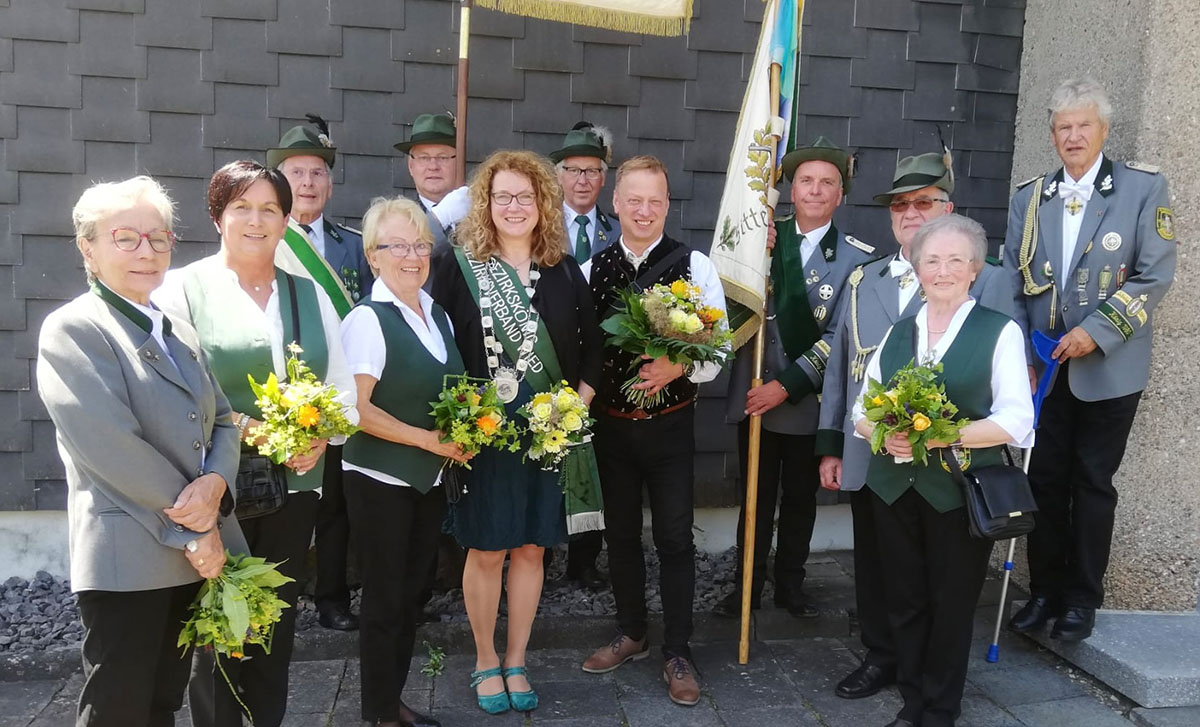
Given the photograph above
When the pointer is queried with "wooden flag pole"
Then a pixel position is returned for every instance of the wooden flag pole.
(750, 507)
(460, 116)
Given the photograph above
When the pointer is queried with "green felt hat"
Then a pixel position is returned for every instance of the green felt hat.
(821, 149)
(304, 141)
(430, 129)
(919, 172)
(584, 140)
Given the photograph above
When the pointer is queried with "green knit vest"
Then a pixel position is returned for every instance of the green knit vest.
(236, 348)
(967, 374)
(410, 380)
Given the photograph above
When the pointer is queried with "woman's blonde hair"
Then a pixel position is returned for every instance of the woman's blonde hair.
(477, 233)
(108, 198)
(383, 207)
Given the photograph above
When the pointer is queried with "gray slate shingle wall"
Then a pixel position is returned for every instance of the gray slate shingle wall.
(103, 89)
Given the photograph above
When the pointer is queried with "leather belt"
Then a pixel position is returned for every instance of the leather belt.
(640, 414)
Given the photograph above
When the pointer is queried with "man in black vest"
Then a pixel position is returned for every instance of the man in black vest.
(649, 447)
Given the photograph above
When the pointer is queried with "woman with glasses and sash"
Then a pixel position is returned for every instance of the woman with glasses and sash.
(523, 317)
(246, 311)
(399, 346)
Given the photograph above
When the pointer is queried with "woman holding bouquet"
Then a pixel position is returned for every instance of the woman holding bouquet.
(150, 454)
(399, 345)
(934, 570)
(246, 311)
(523, 317)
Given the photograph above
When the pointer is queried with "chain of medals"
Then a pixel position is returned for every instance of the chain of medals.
(507, 378)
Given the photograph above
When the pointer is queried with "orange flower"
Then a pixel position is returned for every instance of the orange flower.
(307, 416)
(489, 423)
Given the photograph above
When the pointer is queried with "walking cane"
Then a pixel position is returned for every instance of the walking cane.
(993, 654)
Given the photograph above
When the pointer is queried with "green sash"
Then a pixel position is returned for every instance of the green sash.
(580, 475)
(318, 269)
(798, 329)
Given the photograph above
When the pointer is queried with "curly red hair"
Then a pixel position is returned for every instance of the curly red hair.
(477, 232)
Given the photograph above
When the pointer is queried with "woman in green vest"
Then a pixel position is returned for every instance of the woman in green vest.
(523, 316)
(399, 346)
(245, 312)
(934, 570)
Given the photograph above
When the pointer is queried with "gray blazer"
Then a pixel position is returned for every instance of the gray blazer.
(607, 231)
(132, 431)
(873, 306)
(344, 253)
(826, 287)
(1123, 264)
(441, 235)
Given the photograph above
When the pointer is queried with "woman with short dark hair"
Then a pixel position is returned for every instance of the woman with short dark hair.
(246, 312)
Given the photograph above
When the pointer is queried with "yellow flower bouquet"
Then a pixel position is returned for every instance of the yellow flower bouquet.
(667, 320)
(914, 403)
(296, 411)
(558, 420)
(468, 412)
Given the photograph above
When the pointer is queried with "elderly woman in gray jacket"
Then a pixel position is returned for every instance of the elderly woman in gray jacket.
(150, 453)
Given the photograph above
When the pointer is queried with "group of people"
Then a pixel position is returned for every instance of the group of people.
(145, 378)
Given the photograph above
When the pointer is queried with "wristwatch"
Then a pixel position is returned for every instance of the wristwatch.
(689, 368)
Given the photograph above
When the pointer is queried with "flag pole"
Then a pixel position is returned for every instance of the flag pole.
(460, 116)
(750, 506)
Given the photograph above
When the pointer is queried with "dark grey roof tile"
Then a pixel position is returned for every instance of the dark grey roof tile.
(490, 127)
(41, 20)
(714, 138)
(43, 463)
(174, 24)
(882, 127)
(366, 62)
(934, 97)
(984, 136)
(303, 28)
(176, 147)
(106, 47)
(110, 160)
(51, 271)
(42, 193)
(239, 54)
(993, 20)
(662, 58)
(885, 65)
(885, 15)
(362, 130)
(554, 111)
(990, 165)
(588, 34)
(29, 403)
(660, 113)
(829, 31)
(12, 311)
(724, 28)
(114, 6)
(40, 76)
(428, 88)
(483, 22)
(6, 55)
(606, 79)
(243, 9)
(991, 80)
(496, 79)
(1001, 52)
(43, 142)
(834, 128)
(548, 47)
(390, 14)
(426, 36)
(191, 209)
(371, 177)
(173, 83)
(304, 88)
(996, 107)
(241, 120)
(721, 88)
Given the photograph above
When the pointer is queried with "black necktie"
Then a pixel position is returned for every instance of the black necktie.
(306, 228)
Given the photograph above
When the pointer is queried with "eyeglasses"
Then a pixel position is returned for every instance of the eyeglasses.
(317, 173)
(592, 173)
(128, 239)
(923, 204)
(525, 199)
(953, 264)
(404, 249)
(427, 159)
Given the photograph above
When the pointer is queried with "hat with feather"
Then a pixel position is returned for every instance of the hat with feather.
(585, 140)
(304, 141)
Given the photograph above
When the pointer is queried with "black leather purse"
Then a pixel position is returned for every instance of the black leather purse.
(1000, 504)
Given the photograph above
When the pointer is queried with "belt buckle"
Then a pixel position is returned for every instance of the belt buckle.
(639, 413)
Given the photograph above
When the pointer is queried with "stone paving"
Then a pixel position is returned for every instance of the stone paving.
(788, 681)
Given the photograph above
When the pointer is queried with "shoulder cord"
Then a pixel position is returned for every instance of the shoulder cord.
(859, 367)
(1029, 237)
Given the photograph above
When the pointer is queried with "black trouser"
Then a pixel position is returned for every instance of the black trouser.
(786, 459)
(658, 454)
(133, 672)
(933, 573)
(1078, 450)
(398, 531)
(870, 598)
(333, 537)
(583, 550)
(262, 681)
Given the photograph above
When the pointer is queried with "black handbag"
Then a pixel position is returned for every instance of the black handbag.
(1000, 504)
(261, 485)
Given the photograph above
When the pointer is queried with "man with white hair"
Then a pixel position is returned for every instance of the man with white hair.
(1091, 251)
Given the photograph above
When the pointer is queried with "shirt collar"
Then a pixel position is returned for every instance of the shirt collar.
(629, 253)
(380, 293)
(1089, 177)
(569, 215)
(815, 235)
(148, 318)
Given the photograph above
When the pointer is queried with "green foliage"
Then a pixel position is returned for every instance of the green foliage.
(469, 413)
(436, 663)
(236, 608)
(558, 420)
(913, 403)
(296, 412)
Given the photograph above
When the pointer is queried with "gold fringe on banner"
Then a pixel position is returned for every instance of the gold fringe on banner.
(602, 14)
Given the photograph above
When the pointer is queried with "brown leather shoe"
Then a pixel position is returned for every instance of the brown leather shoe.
(681, 681)
(616, 653)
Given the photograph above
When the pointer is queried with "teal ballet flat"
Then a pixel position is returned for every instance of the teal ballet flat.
(521, 701)
(491, 703)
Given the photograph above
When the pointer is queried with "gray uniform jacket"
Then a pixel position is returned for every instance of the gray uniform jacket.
(825, 280)
(344, 253)
(1123, 263)
(441, 239)
(872, 308)
(607, 231)
(133, 431)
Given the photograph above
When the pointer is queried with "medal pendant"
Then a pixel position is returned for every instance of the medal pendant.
(506, 385)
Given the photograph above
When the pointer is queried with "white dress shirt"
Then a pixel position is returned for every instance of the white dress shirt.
(809, 241)
(366, 349)
(221, 281)
(1012, 403)
(1071, 223)
(317, 236)
(572, 226)
(704, 274)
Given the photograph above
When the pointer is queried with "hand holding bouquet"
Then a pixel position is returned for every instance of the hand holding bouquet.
(914, 404)
(558, 420)
(296, 412)
(667, 320)
(469, 413)
(236, 608)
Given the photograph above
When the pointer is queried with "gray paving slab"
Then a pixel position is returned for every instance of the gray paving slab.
(1166, 716)
(1026, 684)
(24, 700)
(1083, 711)
(657, 711)
(791, 716)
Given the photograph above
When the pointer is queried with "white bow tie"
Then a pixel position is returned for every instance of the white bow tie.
(1068, 189)
(899, 267)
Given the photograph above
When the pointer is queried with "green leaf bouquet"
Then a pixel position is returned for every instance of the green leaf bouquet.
(913, 403)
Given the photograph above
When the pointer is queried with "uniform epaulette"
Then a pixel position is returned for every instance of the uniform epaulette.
(1029, 181)
(1140, 167)
(855, 242)
(348, 228)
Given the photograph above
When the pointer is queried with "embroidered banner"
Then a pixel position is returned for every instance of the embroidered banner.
(652, 17)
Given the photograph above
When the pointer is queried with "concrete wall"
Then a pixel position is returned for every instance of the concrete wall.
(1145, 53)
